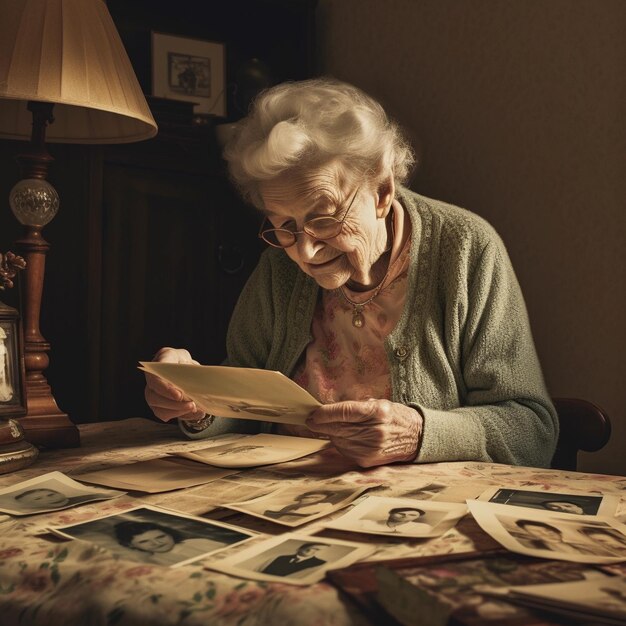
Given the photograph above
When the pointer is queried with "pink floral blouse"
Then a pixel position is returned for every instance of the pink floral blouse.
(345, 362)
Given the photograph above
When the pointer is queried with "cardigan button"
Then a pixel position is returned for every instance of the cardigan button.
(401, 352)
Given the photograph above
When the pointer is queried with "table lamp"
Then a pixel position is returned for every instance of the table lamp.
(64, 77)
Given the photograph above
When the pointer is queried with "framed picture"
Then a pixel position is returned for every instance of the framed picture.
(12, 379)
(189, 69)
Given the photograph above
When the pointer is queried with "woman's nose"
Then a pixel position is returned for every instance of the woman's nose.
(307, 246)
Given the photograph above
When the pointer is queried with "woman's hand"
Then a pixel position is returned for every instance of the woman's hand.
(371, 432)
(166, 401)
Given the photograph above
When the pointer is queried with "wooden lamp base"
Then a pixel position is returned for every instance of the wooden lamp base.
(45, 424)
(15, 452)
(34, 203)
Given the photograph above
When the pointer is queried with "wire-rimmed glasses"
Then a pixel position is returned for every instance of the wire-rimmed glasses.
(323, 227)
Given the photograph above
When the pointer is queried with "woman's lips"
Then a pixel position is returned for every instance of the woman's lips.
(316, 267)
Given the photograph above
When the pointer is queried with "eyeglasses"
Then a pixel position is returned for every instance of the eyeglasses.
(325, 227)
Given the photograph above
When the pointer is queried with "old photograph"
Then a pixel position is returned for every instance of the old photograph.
(188, 74)
(401, 517)
(257, 450)
(557, 502)
(156, 475)
(297, 505)
(581, 539)
(239, 392)
(153, 535)
(293, 559)
(49, 492)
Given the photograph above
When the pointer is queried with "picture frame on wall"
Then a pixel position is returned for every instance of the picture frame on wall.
(190, 69)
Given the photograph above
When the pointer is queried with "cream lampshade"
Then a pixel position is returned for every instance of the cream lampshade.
(68, 52)
(64, 77)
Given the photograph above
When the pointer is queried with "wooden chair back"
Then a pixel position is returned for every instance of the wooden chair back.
(583, 426)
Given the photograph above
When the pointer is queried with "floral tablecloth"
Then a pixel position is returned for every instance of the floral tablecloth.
(46, 581)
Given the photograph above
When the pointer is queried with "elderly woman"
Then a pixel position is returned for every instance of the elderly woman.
(401, 314)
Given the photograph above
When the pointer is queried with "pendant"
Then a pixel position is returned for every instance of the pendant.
(357, 317)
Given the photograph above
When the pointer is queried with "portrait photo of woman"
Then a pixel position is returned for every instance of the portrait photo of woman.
(50, 492)
(153, 535)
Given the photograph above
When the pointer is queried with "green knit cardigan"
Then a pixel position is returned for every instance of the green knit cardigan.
(461, 353)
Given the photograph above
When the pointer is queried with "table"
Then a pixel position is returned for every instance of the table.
(44, 581)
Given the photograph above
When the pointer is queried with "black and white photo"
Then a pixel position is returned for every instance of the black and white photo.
(400, 517)
(291, 558)
(577, 538)
(152, 535)
(294, 506)
(49, 492)
(555, 501)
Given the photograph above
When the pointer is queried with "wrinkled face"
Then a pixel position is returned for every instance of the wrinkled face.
(543, 533)
(608, 541)
(290, 201)
(564, 507)
(43, 498)
(404, 516)
(311, 498)
(308, 551)
(153, 541)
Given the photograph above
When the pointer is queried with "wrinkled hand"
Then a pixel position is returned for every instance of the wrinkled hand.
(370, 432)
(167, 401)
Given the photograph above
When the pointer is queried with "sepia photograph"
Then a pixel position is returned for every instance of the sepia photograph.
(557, 502)
(292, 559)
(156, 475)
(297, 505)
(400, 517)
(49, 492)
(581, 539)
(152, 535)
(426, 491)
(256, 450)
(240, 392)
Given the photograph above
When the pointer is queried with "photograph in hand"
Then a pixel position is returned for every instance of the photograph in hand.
(239, 392)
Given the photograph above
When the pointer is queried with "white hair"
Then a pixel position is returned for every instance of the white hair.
(307, 124)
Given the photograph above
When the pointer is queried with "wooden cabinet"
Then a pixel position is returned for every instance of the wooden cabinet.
(151, 245)
(177, 247)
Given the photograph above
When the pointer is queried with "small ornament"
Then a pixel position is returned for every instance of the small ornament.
(15, 452)
(358, 320)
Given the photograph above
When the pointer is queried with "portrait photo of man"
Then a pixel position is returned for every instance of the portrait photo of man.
(303, 558)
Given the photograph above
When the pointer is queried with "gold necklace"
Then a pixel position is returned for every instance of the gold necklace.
(358, 320)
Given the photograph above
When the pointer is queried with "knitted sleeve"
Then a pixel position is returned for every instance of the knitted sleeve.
(506, 415)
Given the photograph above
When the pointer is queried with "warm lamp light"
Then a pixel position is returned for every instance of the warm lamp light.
(64, 77)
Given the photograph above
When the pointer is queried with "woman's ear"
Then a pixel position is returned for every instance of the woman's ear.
(385, 193)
